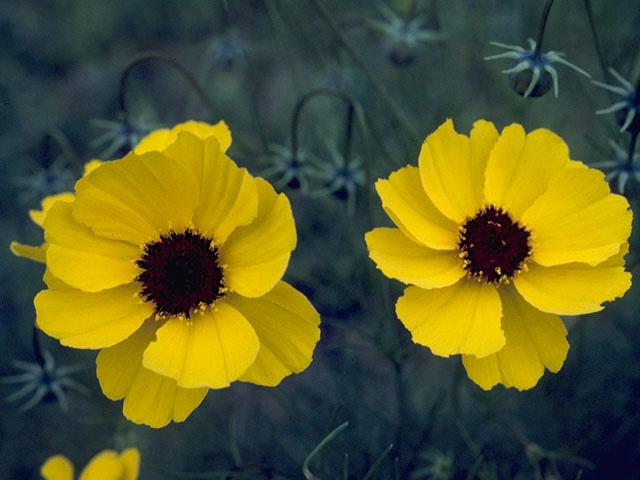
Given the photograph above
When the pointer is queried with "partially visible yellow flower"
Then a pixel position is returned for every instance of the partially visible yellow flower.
(498, 234)
(170, 261)
(106, 465)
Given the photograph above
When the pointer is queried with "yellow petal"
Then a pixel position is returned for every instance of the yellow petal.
(91, 165)
(574, 288)
(534, 341)
(400, 258)
(287, 327)
(53, 282)
(462, 318)
(403, 196)
(228, 197)
(57, 467)
(137, 198)
(452, 171)
(82, 259)
(37, 254)
(150, 399)
(91, 320)
(212, 350)
(520, 167)
(159, 140)
(257, 255)
(577, 219)
(104, 466)
(38, 215)
(130, 459)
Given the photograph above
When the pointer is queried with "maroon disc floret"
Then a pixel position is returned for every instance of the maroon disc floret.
(180, 272)
(493, 246)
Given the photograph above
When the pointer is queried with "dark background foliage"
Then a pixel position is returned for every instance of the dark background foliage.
(60, 68)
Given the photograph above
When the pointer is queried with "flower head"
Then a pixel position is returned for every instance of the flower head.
(106, 465)
(289, 170)
(498, 234)
(532, 74)
(170, 261)
(342, 177)
(404, 36)
(627, 107)
(622, 169)
(121, 134)
(43, 382)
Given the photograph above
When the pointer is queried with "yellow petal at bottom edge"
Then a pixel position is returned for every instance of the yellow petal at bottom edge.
(106, 465)
(534, 341)
(210, 350)
(150, 399)
(461, 318)
(287, 326)
(57, 467)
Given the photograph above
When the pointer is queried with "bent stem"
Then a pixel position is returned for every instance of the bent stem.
(172, 62)
(37, 348)
(541, 27)
(333, 434)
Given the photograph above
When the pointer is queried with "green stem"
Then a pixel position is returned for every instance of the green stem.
(632, 145)
(172, 62)
(362, 126)
(386, 98)
(596, 40)
(37, 348)
(541, 27)
(333, 434)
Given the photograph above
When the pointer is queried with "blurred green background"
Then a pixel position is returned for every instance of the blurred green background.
(60, 72)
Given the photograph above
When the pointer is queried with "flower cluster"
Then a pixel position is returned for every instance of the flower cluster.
(497, 235)
(170, 261)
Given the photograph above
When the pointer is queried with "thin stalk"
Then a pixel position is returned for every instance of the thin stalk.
(333, 434)
(632, 145)
(172, 62)
(541, 27)
(386, 98)
(596, 40)
(37, 348)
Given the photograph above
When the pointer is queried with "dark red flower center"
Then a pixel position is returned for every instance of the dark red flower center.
(493, 247)
(181, 273)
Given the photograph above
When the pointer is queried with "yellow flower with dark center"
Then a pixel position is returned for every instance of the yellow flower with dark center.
(498, 234)
(170, 261)
(106, 465)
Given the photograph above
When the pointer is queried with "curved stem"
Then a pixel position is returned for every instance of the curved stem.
(384, 95)
(37, 348)
(362, 127)
(172, 62)
(305, 466)
(541, 27)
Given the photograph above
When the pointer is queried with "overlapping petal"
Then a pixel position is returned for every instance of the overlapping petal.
(400, 258)
(534, 341)
(257, 255)
(160, 139)
(227, 193)
(150, 399)
(452, 169)
(287, 327)
(411, 209)
(212, 350)
(91, 320)
(37, 254)
(577, 219)
(574, 288)
(137, 198)
(520, 167)
(461, 318)
(84, 260)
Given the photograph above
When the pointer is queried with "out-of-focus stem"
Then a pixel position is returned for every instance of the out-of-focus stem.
(541, 26)
(386, 98)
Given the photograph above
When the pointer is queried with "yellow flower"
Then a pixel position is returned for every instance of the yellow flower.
(170, 261)
(498, 234)
(106, 465)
